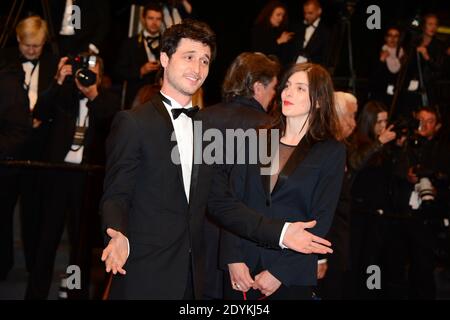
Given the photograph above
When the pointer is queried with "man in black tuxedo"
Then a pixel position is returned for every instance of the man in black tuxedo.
(155, 196)
(138, 60)
(312, 36)
(35, 68)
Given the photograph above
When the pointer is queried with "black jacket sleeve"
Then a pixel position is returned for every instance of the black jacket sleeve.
(15, 119)
(232, 214)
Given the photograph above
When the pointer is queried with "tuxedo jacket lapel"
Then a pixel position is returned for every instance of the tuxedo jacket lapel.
(142, 53)
(196, 161)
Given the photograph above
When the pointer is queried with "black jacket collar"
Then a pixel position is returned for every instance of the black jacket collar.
(248, 102)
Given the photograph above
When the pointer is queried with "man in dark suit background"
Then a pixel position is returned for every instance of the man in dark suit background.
(15, 126)
(35, 67)
(155, 196)
(312, 36)
(247, 91)
(138, 60)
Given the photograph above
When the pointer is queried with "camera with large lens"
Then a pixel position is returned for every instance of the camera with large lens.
(80, 69)
(424, 187)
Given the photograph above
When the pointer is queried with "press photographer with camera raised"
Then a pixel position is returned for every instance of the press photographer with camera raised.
(369, 163)
(80, 119)
(420, 194)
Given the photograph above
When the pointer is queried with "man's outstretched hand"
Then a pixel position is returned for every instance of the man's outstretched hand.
(116, 253)
(298, 239)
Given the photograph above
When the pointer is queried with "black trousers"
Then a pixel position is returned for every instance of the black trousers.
(331, 287)
(68, 197)
(8, 196)
(23, 186)
(410, 260)
(366, 248)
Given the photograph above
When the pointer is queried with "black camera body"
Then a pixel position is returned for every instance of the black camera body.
(80, 69)
(405, 127)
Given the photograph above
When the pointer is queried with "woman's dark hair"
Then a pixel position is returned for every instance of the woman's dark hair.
(367, 120)
(263, 18)
(364, 136)
(188, 29)
(245, 70)
(323, 120)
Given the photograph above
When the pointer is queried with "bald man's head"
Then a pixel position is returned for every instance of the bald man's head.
(346, 107)
(312, 11)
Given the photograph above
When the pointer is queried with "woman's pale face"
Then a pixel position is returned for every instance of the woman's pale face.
(380, 125)
(431, 26)
(295, 100)
(277, 17)
(392, 37)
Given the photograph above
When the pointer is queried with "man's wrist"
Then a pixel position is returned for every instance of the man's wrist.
(283, 232)
(128, 247)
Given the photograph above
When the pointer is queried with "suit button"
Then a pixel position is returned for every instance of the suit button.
(267, 203)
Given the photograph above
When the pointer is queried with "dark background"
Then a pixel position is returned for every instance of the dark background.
(232, 21)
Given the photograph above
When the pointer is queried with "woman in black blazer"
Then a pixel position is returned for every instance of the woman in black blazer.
(305, 186)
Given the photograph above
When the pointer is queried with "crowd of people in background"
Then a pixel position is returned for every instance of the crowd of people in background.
(372, 170)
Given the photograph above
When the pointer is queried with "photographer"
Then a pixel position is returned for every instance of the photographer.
(369, 162)
(420, 194)
(80, 120)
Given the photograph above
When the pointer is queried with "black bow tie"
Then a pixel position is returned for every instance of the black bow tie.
(190, 112)
(153, 44)
(33, 61)
(309, 25)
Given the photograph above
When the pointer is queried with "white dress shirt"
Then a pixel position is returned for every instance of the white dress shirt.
(184, 134)
(150, 55)
(83, 120)
(31, 82)
(309, 31)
